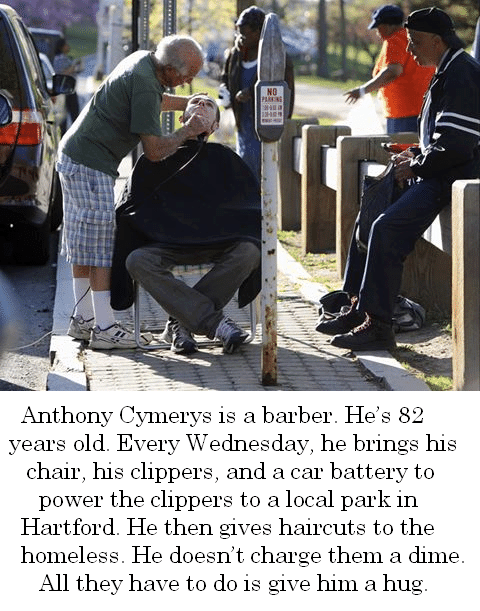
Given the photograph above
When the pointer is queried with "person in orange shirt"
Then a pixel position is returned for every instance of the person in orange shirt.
(401, 82)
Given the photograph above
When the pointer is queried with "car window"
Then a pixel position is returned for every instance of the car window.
(9, 78)
(30, 51)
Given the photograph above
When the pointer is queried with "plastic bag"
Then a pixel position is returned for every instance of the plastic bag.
(363, 119)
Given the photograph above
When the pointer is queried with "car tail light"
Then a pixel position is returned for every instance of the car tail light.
(26, 128)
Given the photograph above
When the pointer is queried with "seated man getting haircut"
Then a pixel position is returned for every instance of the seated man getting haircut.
(200, 205)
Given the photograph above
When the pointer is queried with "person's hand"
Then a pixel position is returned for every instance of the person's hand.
(403, 171)
(197, 124)
(399, 158)
(353, 95)
(243, 95)
(194, 95)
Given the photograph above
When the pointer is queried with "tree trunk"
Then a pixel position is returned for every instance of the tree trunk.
(322, 62)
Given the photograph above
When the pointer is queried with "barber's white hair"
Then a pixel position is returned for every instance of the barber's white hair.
(175, 50)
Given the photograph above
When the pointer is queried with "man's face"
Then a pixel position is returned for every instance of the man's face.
(247, 37)
(205, 106)
(384, 30)
(172, 77)
(423, 46)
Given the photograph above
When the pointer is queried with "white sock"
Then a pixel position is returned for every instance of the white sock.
(83, 298)
(104, 317)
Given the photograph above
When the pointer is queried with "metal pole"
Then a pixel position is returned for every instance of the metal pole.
(169, 27)
(269, 263)
(271, 101)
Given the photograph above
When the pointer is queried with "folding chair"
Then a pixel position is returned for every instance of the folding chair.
(188, 274)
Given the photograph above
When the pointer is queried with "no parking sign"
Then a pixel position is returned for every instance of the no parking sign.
(272, 101)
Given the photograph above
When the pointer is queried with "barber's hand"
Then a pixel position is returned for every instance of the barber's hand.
(194, 95)
(403, 171)
(197, 124)
(243, 95)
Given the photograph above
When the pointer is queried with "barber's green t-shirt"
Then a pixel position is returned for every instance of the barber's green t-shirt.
(127, 104)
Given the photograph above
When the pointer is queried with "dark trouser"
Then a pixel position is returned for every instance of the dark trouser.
(376, 276)
(197, 308)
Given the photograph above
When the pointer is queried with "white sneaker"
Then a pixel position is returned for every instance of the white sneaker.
(230, 334)
(80, 328)
(116, 336)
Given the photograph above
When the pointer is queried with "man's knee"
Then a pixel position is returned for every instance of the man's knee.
(249, 252)
(135, 262)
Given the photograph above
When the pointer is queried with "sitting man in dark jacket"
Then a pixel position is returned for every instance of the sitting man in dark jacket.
(200, 205)
(449, 150)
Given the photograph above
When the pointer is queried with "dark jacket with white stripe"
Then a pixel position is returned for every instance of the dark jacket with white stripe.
(450, 121)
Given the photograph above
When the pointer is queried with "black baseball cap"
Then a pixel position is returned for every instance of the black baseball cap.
(387, 14)
(252, 16)
(435, 21)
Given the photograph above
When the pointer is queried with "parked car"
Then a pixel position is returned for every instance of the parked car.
(59, 101)
(8, 302)
(30, 193)
(46, 41)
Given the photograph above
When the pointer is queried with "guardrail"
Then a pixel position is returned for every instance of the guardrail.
(330, 165)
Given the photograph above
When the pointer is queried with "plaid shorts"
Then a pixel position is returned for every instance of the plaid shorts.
(88, 214)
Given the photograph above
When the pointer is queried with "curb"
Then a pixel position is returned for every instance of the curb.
(67, 372)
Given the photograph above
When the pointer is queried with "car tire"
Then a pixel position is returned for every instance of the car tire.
(56, 215)
(32, 244)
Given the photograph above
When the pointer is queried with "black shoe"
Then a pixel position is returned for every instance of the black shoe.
(230, 334)
(181, 339)
(371, 335)
(343, 323)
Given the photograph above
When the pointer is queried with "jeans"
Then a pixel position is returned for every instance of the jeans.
(402, 124)
(197, 308)
(376, 276)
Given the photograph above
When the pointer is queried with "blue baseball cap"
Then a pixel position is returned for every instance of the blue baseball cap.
(387, 14)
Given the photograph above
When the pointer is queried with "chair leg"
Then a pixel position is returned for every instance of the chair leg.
(253, 322)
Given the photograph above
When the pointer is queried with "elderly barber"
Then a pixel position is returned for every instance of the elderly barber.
(123, 112)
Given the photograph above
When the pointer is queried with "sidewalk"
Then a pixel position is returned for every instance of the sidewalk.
(305, 359)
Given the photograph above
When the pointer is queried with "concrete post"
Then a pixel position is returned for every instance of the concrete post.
(115, 52)
(466, 284)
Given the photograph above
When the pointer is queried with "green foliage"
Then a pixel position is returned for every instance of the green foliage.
(82, 39)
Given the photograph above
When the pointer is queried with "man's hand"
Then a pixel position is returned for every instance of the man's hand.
(402, 170)
(196, 125)
(353, 95)
(243, 95)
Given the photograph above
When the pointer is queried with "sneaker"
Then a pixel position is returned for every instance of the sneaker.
(343, 323)
(80, 328)
(371, 335)
(230, 334)
(179, 337)
(116, 336)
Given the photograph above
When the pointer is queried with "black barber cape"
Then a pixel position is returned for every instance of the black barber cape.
(204, 194)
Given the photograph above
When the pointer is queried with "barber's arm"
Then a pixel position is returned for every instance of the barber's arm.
(157, 148)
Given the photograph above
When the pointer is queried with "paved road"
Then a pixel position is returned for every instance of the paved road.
(320, 102)
(26, 366)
